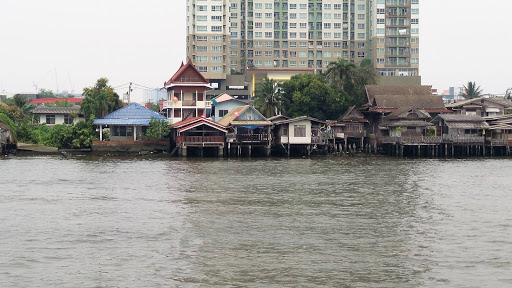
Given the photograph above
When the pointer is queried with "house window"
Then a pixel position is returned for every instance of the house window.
(129, 131)
(222, 113)
(50, 119)
(68, 119)
(122, 131)
(285, 131)
(177, 113)
(299, 130)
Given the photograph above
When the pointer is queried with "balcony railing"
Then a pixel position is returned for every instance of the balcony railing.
(249, 137)
(200, 139)
(464, 139)
(412, 140)
(434, 140)
(499, 142)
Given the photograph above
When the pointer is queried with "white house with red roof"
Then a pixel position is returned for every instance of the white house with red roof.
(186, 95)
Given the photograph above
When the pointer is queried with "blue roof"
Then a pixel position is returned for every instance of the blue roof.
(133, 114)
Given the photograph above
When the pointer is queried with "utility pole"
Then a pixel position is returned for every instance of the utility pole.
(127, 95)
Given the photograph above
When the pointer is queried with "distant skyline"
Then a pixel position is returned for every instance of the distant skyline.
(68, 45)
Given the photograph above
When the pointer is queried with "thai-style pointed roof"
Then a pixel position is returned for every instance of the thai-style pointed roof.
(198, 77)
(185, 125)
(132, 115)
(352, 114)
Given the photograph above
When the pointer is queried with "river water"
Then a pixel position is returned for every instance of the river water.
(319, 222)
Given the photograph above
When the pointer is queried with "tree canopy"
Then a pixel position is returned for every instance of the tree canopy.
(99, 100)
(471, 91)
(352, 79)
(311, 95)
(158, 129)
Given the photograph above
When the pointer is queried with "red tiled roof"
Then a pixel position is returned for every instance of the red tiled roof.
(182, 69)
(187, 122)
(204, 122)
(54, 100)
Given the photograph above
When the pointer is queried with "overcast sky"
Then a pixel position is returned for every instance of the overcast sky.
(69, 44)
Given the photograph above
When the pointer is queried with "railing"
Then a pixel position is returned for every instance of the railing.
(412, 140)
(188, 103)
(200, 139)
(249, 137)
(464, 139)
(499, 142)
(318, 140)
(390, 139)
(354, 134)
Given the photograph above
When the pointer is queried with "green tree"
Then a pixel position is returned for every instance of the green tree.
(471, 91)
(268, 100)
(157, 130)
(46, 94)
(8, 122)
(311, 95)
(99, 100)
(363, 75)
(352, 79)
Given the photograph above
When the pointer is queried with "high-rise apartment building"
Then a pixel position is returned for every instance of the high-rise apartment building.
(394, 36)
(227, 36)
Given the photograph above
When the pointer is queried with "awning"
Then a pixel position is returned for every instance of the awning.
(252, 127)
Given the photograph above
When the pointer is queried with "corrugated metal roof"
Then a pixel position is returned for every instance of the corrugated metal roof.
(461, 118)
(251, 123)
(405, 123)
(123, 122)
(297, 119)
(55, 110)
(467, 125)
(134, 111)
(131, 115)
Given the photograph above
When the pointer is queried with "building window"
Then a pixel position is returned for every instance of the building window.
(222, 113)
(50, 119)
(68, 119)
(299, 130)
(285, 131)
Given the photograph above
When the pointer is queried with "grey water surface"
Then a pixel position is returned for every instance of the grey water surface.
(319, 222)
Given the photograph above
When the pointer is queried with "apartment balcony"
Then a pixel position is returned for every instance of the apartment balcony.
(397, 43)
(398, 3)
(187, 103)
(390, 63)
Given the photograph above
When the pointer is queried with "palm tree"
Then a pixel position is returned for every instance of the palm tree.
(268, 99)
(340, 73)
(22, 103)
(471, 91)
